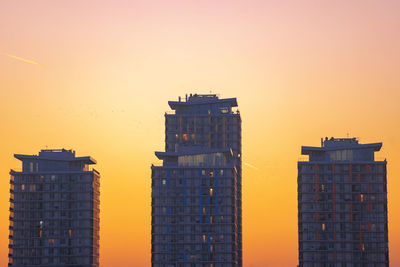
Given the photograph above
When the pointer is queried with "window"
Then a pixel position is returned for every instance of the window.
(164, 182)
(32, 187)
(23, 187)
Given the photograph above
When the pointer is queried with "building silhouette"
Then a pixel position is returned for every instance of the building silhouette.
(196, 193)
(54, 211)
(342, 205)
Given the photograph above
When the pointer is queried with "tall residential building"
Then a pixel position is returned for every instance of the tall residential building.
(54, 211)
(196, 193)
(342, 205)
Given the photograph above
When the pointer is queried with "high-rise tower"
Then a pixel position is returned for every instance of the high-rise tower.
(54, 211)
(196, 193)
(342, 205)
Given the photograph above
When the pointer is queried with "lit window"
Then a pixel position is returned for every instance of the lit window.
(164, 182)
(23, 187)
(211, 219)
(361, 197)
(185, 137)
(322, 188)
(323, 227)
(176, 136)
(204, 238)
(204, 210)
(203, 172)
(224, 110)
(32, 187)
(211, 174)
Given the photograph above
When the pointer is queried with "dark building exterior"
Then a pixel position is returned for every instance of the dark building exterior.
(196, 193)
(54, 211)
(342, 205)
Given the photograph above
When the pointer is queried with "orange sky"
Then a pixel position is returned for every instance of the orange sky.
(301, 70)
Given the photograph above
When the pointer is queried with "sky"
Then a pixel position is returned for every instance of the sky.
(96, 76)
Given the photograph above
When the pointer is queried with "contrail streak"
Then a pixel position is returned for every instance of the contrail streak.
(22, 59)
(251, 166)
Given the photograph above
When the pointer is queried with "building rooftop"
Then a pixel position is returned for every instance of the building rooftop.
(339, 144)
(57, 155)
(201, 99)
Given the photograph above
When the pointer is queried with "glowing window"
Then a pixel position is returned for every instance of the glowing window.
(323, 227)
(185, 137)
(211, 192)
(204, 238)
(211, 174)
(32, 187)
(204, 210)
(164, 182)
(361, 197)
(23, 187)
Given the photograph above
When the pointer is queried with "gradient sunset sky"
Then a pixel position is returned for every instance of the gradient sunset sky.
(95, 76)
